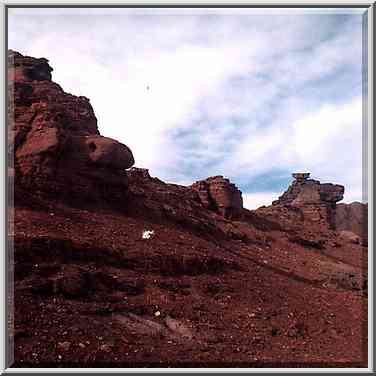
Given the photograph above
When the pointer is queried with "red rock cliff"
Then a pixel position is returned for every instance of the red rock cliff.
(316, 201)
(219, 194)
(54, 139)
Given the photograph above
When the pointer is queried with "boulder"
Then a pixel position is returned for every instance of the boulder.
(110, 153)
(350, 237)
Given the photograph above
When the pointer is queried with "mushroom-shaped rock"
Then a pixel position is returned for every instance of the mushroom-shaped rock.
(316, 201)
(110, 153)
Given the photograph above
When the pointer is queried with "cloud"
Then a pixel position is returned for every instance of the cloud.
(207, 92)
(255, 200)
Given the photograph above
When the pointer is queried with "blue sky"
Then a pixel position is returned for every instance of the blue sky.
(250, 94)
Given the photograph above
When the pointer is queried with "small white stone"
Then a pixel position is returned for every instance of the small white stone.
(147, 234)
(157, 313)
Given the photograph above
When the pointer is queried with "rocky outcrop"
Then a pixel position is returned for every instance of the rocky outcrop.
(316, 201)
(54, 141)
(25, 68)
(354, 218)
(219, 194)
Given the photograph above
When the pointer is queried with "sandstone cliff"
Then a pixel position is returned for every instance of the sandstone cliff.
(316, 201)
(219, 194)
(54, 142)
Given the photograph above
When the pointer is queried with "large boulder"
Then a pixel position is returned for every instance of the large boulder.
(109, 153)
(349, 236)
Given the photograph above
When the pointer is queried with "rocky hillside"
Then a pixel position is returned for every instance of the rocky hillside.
(115, 268)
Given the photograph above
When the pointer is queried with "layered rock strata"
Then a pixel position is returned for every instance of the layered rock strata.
(54, 143)
(316, 201)
(219, 194)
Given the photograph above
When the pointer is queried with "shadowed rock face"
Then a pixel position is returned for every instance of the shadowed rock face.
(110, 153)
(54, 139)
(331, 193)
(316, 201)
(353, 217)
(25, 68)
(218, 194)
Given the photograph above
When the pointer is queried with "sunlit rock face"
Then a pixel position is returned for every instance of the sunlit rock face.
(219, 194)
(54, 141)
(316, 201)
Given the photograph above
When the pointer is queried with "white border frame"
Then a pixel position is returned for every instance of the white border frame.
(267, 3)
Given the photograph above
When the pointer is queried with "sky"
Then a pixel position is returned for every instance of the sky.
(251, 94)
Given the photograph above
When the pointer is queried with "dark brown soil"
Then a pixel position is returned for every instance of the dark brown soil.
(90, 292)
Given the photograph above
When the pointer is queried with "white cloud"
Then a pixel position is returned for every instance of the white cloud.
(329, 143)
(255, 200)
(254, 93)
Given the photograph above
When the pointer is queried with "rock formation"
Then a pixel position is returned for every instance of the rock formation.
(316, 201)
(53, 138)
(219, 194)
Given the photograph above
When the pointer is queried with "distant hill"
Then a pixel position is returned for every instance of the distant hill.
(353, 217)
